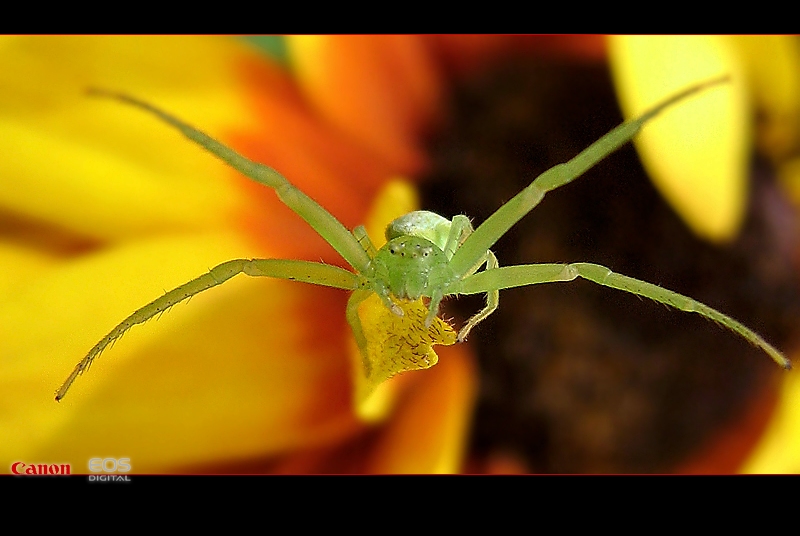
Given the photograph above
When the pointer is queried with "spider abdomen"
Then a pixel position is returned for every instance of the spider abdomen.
(422, 224)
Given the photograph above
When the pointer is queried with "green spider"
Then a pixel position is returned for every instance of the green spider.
(426, 255)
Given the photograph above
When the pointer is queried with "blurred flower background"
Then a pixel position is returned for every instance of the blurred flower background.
(102, 208)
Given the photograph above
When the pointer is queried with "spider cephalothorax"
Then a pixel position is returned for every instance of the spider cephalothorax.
(409, 267)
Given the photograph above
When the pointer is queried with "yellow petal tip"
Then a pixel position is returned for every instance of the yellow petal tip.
(696, 153)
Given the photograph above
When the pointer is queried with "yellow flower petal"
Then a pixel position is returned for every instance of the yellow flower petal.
(773, 68)
(240, 372)
(98, 168)
(789, 176)
(695, 153)
(779, 449)
(397, 198)
(429, 432)
(396, 343)
(20, 265)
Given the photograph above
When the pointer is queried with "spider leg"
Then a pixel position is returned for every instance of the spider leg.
(355, 325)
(322, 221)
(492, 301)
(361, 235)
(460, 229)
(531, 274)
(496, 225)
(304, 271)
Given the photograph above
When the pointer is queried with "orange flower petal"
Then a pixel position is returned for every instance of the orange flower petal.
(465, 54)
(428, 432)
(380, 90)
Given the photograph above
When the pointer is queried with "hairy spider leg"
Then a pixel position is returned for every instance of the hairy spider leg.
(492, 299)
(490, 261)
(361, 235)
(322, 221)
(460, 229)
(304, 271)
(532, 274)
(496, 225)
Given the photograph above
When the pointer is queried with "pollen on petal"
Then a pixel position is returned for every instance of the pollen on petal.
(397, 344)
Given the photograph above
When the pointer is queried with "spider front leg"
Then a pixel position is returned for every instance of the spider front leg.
(356, 299)
(322, 221)
(496, 225)
(360, 233)
(304, 271)
(532, 274)
(460, 229)
(492, 301)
